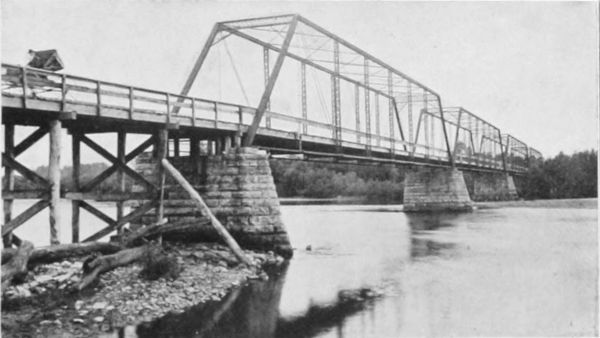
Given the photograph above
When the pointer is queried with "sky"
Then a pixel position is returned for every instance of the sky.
(530, 68)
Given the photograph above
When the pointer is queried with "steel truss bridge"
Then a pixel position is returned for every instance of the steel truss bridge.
(285, 84)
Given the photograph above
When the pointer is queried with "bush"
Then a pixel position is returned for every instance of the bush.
(158, 264)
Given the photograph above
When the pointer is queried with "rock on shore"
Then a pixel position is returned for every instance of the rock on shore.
(46, 304)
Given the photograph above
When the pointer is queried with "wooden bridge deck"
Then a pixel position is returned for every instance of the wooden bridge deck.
(95, 106)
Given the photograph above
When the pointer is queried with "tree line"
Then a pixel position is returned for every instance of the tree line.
(563, 176)
(382, 183)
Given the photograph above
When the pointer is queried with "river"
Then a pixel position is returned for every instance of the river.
(507, 271)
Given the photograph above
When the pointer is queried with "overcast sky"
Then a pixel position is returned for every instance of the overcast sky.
(529, 68)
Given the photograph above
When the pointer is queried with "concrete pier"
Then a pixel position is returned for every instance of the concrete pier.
(435, 189)
(238, 187)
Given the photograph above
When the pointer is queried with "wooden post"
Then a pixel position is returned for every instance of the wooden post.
(218, 146)
(237, 251)
(237, 139)
(210, 147)
(195, 156)
(227, 143)
(54, 178)
(121, 139)
(161, 153)
(176, 145)
(9, 180)
(76, 144)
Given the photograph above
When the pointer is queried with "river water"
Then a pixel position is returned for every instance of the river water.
(507, 271)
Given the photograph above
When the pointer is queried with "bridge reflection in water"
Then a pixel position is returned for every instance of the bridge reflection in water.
(303, 299)
(454, 274)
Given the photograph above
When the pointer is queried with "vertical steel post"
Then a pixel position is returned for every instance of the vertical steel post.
(357, 111)
(304, 98)
(410, 115)
(457, 130)
(260, 110)
(367, 105)
(450, 157)
(377, 120)
(336, 100)
(426, 125)
(391, 110)
(414, 148)
(266, 71)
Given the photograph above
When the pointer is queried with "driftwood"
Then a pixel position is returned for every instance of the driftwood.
(140, 236)
(102, 264)
(17, 265)
(235, 248)
(60, 252)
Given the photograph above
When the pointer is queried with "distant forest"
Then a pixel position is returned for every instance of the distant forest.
(325, 180)
(563, 176)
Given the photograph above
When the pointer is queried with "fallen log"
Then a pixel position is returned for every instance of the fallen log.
(230, 241)
(17, 265)
(181, 227)
(60, 252)
(140, 235)
(102, 264)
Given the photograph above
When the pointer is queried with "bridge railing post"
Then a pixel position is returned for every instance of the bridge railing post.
(168, 104)
(193, 112)
(131, 106)
(24, 85)
(98, 99)
(63, 92)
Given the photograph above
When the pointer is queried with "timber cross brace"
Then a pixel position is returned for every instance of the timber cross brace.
(49, 191)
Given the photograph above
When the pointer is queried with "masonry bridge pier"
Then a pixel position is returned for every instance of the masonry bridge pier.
(370, 113)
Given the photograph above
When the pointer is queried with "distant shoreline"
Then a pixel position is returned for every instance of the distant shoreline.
(581, 203)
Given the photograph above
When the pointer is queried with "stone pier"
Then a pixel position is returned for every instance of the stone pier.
(238, 187)
(435, 189)
(486, 186)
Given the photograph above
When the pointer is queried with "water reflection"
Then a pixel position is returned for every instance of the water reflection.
(443, 274)
(431, 221)
(322, 317)
(423, 247)
(251, 311)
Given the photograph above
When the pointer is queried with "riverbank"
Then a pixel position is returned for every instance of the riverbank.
(47, 306)
(580, 203)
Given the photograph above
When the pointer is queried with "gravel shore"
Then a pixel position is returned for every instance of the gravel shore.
(47, 306)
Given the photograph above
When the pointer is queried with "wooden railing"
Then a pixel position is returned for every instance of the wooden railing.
(35, 84)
